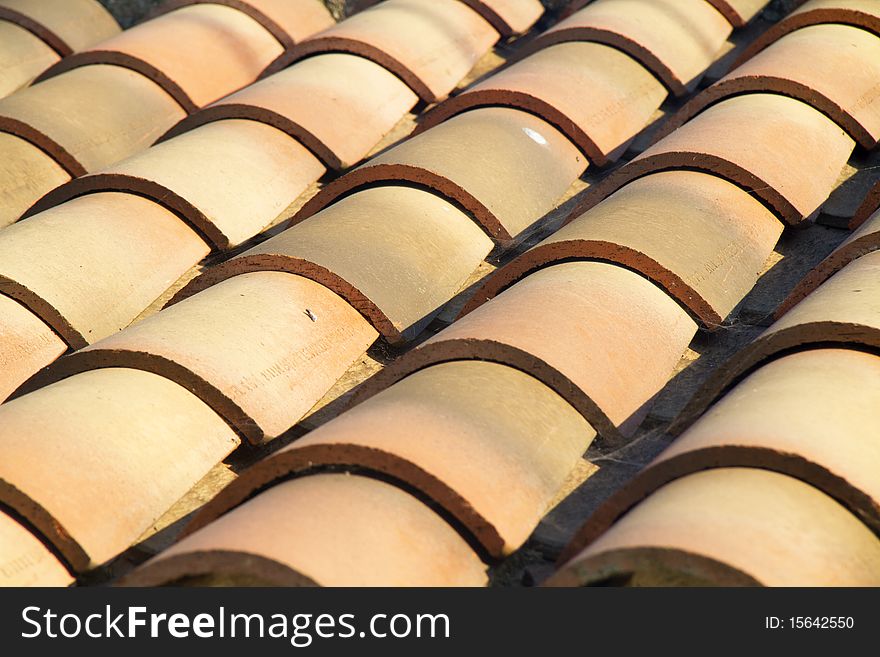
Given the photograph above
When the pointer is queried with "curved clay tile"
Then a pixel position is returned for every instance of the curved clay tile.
(509, 17)
(739, 12)
(27, 173)
(289, 21)
(676, 40)
(26, 560)
(827, 440)
(326, 530)
(863, 241)
(807, 65)
(197, 54)
(700, 238)
(731, 527)
(93, 461)
(396, 254)
(604, 338)
(488, 443)
(597, 96)
(66, 26)
(260, 349)
(90, 117)
(352, 104)
(868, 207)
(793, 173)
(429, 44)
(864, 14)
(844, 311)
(23, 56)
(228, 179)
(505, 167)
(27, 344)
(89, 267)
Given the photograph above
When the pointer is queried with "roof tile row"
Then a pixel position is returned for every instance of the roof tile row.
(213, 364)
(35, 35)
(123, 94)
(445, 383)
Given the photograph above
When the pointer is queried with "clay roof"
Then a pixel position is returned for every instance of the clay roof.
(386, 300)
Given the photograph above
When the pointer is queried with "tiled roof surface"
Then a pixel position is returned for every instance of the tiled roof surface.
(289, 262)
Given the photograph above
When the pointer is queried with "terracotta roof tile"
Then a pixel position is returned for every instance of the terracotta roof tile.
(261, 387)
(866, 239)
(699, 237)
(95, 115)
(27, 343)
(507, 168)
(858, 13)
(90, 117)
(739, 12)
(842, 311)
(337, 85)
(207, 176)
(732, 526)
(23, 56)
(290, 536)
(571, 326)
(58, 469)
(66, 26)
(289, 21)
(26, 561)
(69, 266)
(396, 254)
(768, 422)
(597, 96)
(197, 53)
(477, 454)
(793, 173)
(430, 44)
(675, 39)
(868, 207)
(509, 17)
(793, 67)
(27, 173)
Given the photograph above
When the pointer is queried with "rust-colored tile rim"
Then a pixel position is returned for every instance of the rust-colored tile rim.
(300, 267)
(468, 349)
(327, 44)
(88, 360)
(690, 161)
(292, 129)
(836, 261)
(665, 471)
(768, 348)
(36, 28)
(613, 565)
(176, 569)
(505, 29)
(547, 255)
(764, 84)
(293, 462)
(44, 310)
(869, 206)
(43, 142)
(377, 175)
(524, 102)
(732, 15)
(851, 17)
(124, 183)
(244, 7)
(123, 60)
(619, 41)
(171, 571)
(45, 527)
